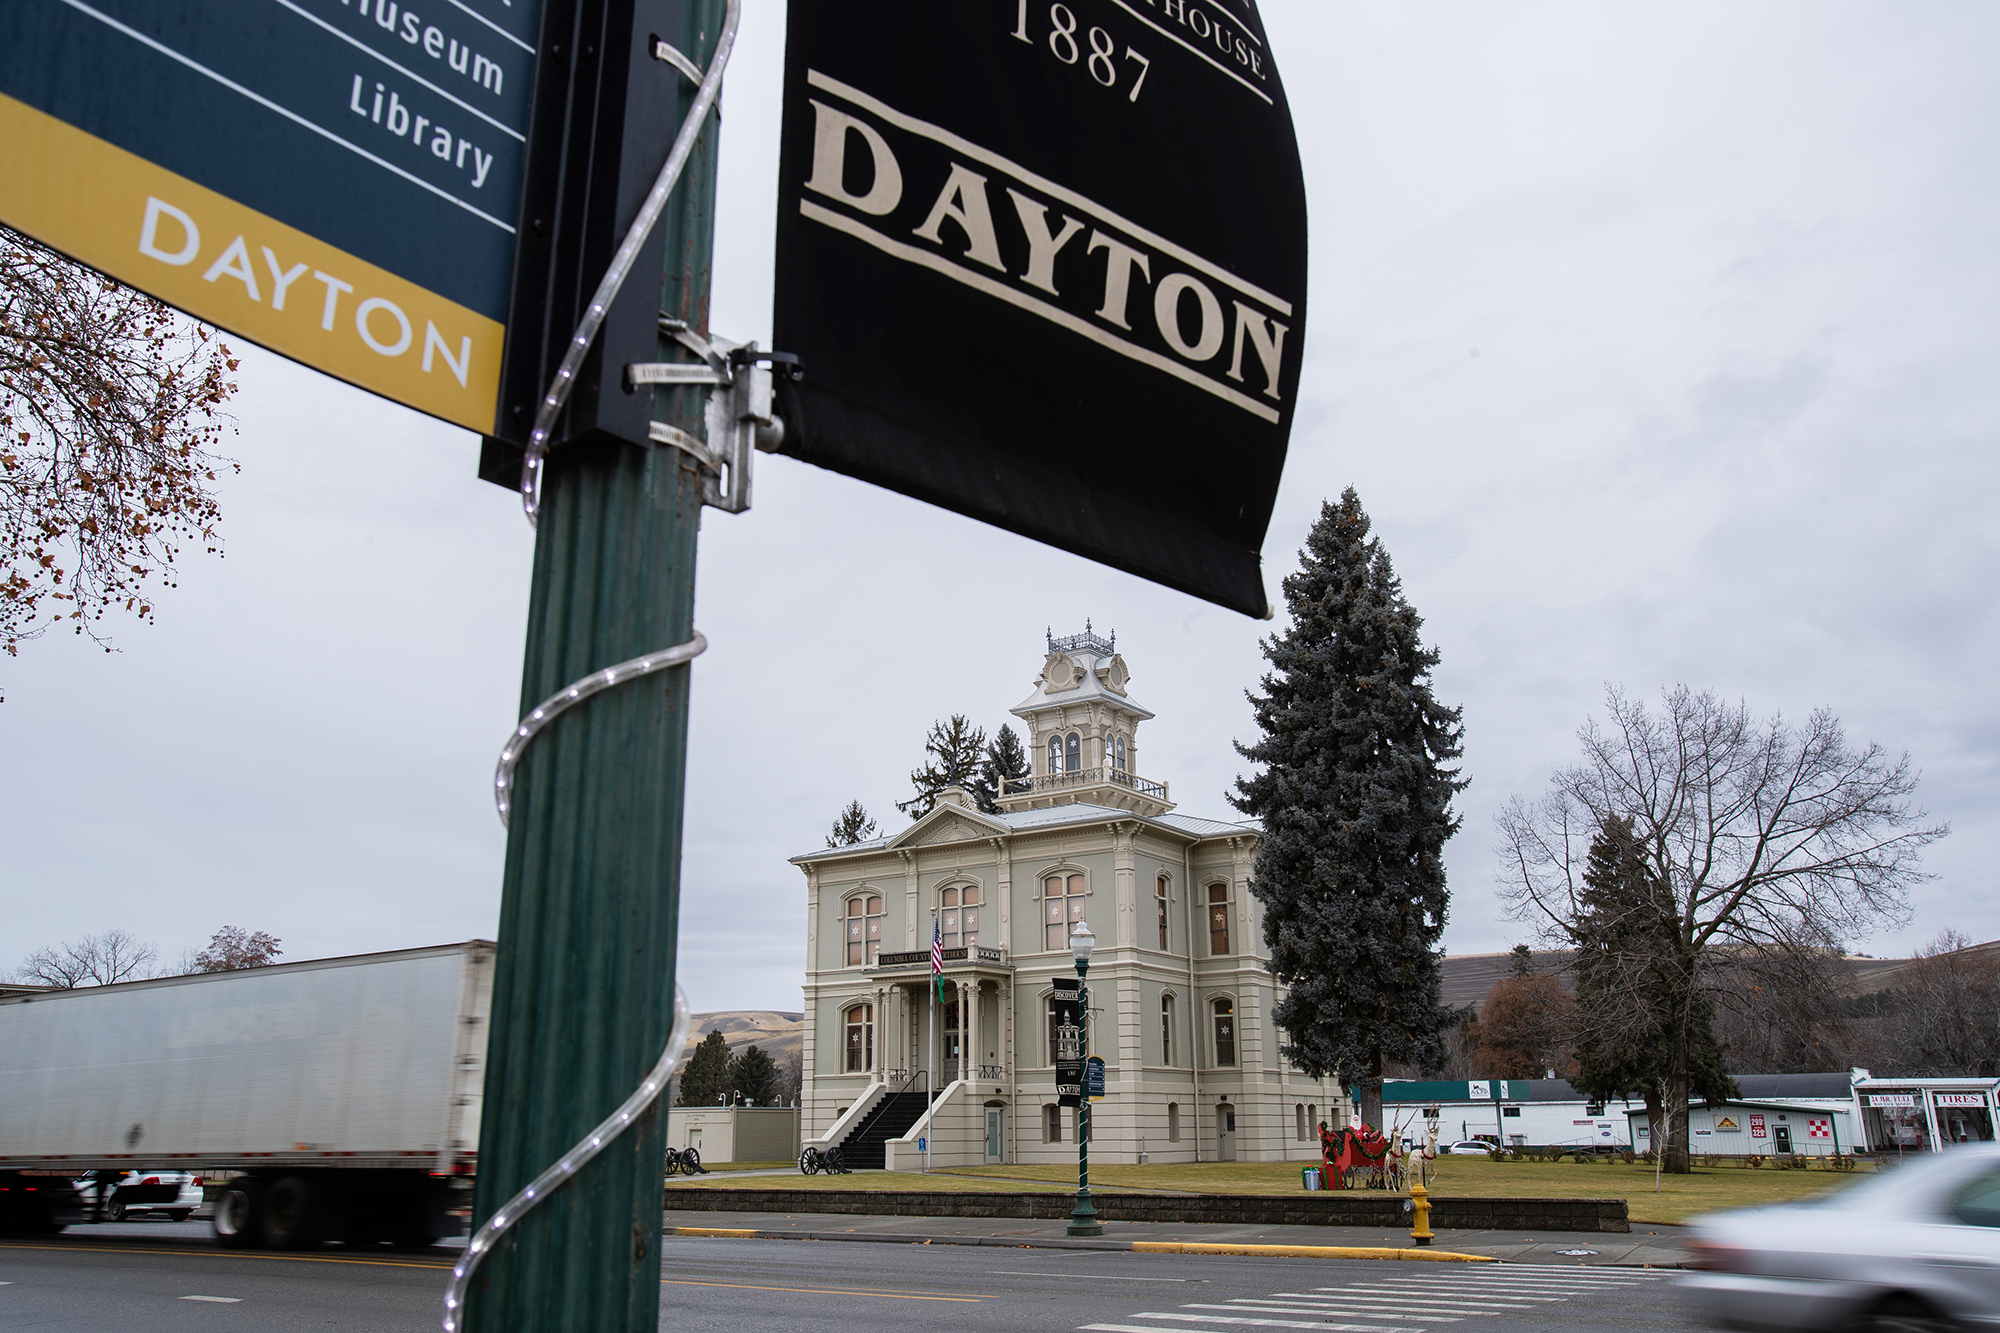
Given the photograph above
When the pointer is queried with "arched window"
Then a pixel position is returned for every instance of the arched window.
(1312, 1120)
(1062, 908)
(1072, 753)
(864, 929)
(1173, 1122)
(959, 917)
(1218, 920)
(1055, 755)
(1052, 1123)
(1160, 903)
(1166, 1029)
(860, 1038)
(1225, 1031)
(1118, 754)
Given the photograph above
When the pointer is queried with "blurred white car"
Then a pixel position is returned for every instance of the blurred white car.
(1471, 1148)
(170, 1194)
(1915, 1249)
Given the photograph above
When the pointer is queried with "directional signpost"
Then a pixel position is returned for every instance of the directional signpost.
(1044, 264)
(334, 180)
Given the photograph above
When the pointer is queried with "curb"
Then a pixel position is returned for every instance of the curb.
(1311, 1251)
(1123, 1246)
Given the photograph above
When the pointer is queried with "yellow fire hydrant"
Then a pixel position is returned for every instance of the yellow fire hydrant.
(1420, 1203)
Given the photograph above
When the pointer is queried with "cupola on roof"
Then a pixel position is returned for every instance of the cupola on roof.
(1083, 730)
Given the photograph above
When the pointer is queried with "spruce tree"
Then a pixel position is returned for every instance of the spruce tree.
(1355, 803)
(705, 1077)
(1638, 993)
(753, 1076)
(952, 754)
(1006, 761)
(853, 825)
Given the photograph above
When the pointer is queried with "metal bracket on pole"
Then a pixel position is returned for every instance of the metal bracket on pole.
(739, 415)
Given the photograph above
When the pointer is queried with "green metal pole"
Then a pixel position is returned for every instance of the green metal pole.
(584, 982)
(1083, 1218)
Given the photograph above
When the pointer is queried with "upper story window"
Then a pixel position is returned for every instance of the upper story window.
(1218, 920)
(1118, 754)
(1072, 752)
(1055, 755)
(1166, 1029)
(1160, 905)
(1062, 908)
(958, 917)
(864, 928)
(1225, 1031)
(860, 1021)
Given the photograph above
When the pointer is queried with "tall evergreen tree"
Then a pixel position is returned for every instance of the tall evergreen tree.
(952, 751)
(705, 1077)
(1638, 994)
(1006, 760)
(1355, 801)
(753, 1076)
(853, 825)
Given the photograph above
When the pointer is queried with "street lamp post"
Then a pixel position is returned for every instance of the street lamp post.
(1083, 1218)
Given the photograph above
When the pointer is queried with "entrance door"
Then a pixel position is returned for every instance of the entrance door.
(1784, 1138)
(952, 1046)
(1225, 1128)
(993, 1135)
(694, 1138)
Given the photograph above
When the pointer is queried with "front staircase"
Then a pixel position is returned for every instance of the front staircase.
(890, 1119)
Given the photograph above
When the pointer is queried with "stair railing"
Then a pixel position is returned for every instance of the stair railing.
(887, 1101)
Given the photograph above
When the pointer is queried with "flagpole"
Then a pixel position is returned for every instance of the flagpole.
(930, 1075)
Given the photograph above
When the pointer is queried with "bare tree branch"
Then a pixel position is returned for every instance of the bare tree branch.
(1749, 839)
(95, 960)
(109, 405)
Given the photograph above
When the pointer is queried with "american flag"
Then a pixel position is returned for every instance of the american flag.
(937, 956)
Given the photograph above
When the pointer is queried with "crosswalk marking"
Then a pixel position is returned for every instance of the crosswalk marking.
(1444, 1304)
(1512, 1299)
(1293, 1307)
(1500, 1302)
(1268, 1323)
(1407, 1303)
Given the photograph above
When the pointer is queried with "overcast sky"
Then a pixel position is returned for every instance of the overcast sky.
(1658, 339)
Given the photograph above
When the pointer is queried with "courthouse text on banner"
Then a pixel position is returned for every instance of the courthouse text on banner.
(337, 180)
(1045, 265)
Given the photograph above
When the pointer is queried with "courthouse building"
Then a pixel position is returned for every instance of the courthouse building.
(1180, 1000)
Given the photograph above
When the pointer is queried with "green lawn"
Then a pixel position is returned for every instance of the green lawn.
(865, 1180)
(1708, 1189)
(1679, 1197)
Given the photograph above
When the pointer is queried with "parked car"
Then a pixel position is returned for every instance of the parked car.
(170, 1194)
(1913, 1249)
(1471, 1148)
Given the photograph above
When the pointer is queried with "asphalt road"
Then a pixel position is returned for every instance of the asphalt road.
(156, 1278)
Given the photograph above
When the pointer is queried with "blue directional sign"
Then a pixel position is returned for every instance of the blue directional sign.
(335, 179)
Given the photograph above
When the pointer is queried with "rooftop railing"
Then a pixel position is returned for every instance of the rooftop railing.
(1084, 777)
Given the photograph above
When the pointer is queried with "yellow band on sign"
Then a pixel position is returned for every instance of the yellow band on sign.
(242, 271)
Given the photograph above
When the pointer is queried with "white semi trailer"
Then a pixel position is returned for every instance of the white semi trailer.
(342, 1093)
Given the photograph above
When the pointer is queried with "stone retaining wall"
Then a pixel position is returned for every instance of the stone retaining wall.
(1334, 1208)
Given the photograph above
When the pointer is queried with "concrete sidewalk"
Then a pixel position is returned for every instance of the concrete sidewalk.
(1646, 1245)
